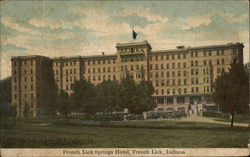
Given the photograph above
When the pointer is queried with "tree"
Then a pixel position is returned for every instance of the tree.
(5, 90)
(84, 97)
(136, 97)
(107, 96)
(143, 98)
(232, 90)
(127, 92)
(63, 103)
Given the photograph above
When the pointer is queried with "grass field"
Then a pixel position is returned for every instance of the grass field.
(77, 132)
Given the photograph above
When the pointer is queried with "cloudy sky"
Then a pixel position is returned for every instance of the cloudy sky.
(66, 28)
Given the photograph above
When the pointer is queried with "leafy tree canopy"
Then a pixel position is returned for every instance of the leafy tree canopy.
(232, 90)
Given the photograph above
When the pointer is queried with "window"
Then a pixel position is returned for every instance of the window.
(210, 53)
(109, 69)
(185, 82)
(162, 66)
(197, 89)
(196, 54)
(218, 71)
(173, 56)
(222, 52)
(205, 62)
(184, 55)
(161, 57)
(156, 91)
(179, 91)
(168, 91)
(173, 74)
(179, 56)
(150, 66)
(167, 82)
(222, 61)
(196, 71)
(162, 91)
(197, 80)
(210, 62)
(150, 58)
(173, 65)
(103, 69)
(192, 71)
(113, 69)
(222, 70)
(167, 74)
(162, 74)
(156, 57)
(192, 63)
(179, 73)
(173, 82)
(192, 54)
(156, 74)
(218, 62)
(184, 73)
(167, 66)
(156, 66)
(218, 52)
(192, 89)
(167, 57)
(192, 80)
(184, 65)
(162, 82)
(185, 90)
(196, 63)
(156, 83)
(204, 53)
(179, 81)
(179, 65)
(142, 67)
(173, 91)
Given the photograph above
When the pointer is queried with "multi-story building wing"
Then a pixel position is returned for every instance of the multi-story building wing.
(100, 68)
(185, 75)
(67, 70)
(30, 77)
(180, 76)
(133, 59)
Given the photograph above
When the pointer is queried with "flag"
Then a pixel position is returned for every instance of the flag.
(134, 34)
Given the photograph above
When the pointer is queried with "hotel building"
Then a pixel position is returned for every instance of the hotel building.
(180, 76)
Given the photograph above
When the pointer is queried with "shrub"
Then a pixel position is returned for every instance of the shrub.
(215, 114)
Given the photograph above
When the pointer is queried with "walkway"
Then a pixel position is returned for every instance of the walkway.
(210, 120)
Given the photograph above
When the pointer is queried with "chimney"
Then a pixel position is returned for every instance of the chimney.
(180, 47)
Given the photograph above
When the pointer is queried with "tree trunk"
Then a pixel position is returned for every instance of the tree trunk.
(232, 119)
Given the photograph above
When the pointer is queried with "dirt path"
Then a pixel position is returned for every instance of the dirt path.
(211, 120)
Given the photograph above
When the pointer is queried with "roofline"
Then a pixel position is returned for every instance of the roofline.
(133, 44)
(28, 57)
(84, 57)
(199, 47)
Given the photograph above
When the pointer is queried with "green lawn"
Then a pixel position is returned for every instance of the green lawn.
(80, 133)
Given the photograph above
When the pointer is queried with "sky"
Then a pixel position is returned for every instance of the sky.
(70, 28)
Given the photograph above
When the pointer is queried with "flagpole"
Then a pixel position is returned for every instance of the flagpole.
(133, 40)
